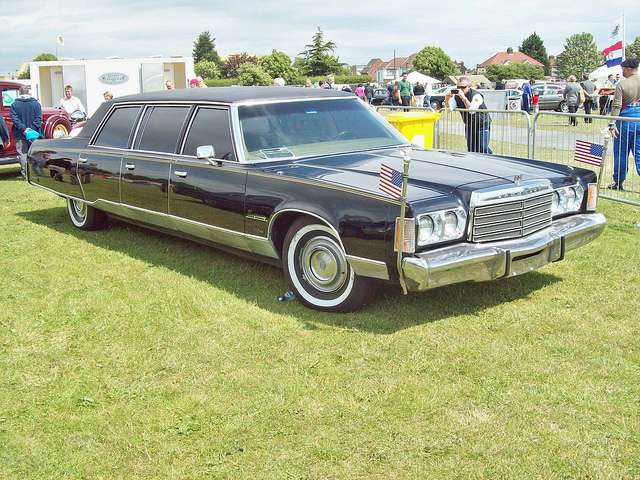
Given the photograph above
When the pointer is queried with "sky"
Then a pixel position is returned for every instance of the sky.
(471, 31)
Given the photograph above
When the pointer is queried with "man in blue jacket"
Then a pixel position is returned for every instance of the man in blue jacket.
(26, 114)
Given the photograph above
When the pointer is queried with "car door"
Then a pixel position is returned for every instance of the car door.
(144, 173)
(206, 196)
(99, 163)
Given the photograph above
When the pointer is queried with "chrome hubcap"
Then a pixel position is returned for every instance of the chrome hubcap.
(323, 264)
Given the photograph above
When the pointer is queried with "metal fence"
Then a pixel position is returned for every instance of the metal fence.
(547, 136)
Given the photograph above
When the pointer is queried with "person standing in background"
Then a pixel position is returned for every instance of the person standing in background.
(26, 115)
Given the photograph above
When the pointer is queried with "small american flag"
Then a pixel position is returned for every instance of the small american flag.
(590, 153)
(390, 181)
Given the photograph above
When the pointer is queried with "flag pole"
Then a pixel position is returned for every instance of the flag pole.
(403, 202)
(607, 138)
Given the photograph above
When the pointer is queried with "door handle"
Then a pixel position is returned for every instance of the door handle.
(180, 174)
(130, 166)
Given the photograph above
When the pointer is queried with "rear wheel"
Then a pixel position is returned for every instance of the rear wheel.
(84, 216)
(317, 269)
(435, 104)
(563, 107)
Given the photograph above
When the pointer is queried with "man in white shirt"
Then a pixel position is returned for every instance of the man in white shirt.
(69, 103)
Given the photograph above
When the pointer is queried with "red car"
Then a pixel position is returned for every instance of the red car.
(55, 122)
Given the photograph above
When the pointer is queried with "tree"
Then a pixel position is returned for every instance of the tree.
(206, 69)
(278, 64)
(252, 74)
(434, 62)
(580, 56)
(318, 58)
(633, 49)
(43, 57)
(234, 62)
(204, 49)
(514, 70)
(534, 47)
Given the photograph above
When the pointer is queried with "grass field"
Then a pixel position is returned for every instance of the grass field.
(127, 353)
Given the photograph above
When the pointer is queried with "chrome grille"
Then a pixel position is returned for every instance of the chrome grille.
(511, 219)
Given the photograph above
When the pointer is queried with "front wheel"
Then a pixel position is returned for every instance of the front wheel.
(435, 104)
(317, 269)
(60, 131)
(84, 216)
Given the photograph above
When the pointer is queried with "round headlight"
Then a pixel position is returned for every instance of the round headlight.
(450, 224)
(563, 200)
(571, 198)
(425, 229)
(556, 201)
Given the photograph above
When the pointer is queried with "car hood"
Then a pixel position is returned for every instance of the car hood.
(432, 173)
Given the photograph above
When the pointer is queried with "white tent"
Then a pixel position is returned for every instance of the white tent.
(414, 77)
(603, 72)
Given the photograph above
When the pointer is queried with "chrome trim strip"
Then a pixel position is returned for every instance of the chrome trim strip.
(369, 268)
(500, 194)
(242, 241)
(466, 262)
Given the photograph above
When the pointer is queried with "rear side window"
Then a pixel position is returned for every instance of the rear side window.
(210, 126)
(117, 131)
(160, 129)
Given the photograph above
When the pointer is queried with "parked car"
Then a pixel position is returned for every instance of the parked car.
(380, 97)
(550, 97)
(291, 176)
(437, 97)
(55, 122)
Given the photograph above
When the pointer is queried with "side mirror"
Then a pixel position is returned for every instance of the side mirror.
(206, 152)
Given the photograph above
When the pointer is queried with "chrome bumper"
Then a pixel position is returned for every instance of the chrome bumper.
(478, 262)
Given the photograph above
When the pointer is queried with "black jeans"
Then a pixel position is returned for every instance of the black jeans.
(588, 104)
(572, 119)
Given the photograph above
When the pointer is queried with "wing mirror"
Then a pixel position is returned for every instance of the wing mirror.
(207, 152)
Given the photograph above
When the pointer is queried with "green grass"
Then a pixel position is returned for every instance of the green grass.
(127, 353)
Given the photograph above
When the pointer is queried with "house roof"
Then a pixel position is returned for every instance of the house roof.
(371, 67)
(504, 58)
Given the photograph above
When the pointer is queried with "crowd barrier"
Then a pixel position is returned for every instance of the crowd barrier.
(546, 136)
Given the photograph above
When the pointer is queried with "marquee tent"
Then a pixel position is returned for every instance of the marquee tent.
(603, 72)
(414, 77)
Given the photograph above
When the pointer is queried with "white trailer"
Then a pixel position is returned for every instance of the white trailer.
(121, 76)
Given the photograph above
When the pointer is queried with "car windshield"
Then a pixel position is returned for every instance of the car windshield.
(312, 127)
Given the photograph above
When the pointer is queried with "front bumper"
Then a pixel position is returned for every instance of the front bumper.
(478, 262)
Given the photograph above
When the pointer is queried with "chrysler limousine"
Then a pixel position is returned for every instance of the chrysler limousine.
(292, 176)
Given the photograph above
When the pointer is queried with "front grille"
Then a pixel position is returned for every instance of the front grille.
(512, 219)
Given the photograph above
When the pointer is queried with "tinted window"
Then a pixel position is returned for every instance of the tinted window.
(117, 131)
(160, 128)
(210, 127)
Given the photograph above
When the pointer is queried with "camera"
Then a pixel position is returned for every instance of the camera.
(454, 91)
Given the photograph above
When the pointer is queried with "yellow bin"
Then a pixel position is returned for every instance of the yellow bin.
(417, 127)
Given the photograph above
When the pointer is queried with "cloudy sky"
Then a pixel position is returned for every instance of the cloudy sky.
(467, 31)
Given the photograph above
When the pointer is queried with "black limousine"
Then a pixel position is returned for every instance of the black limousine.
(292, 176)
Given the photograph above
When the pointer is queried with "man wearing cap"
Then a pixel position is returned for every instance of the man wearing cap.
(26, 115)
(626, 103)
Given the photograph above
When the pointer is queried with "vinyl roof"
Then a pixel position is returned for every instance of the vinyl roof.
(233, 94)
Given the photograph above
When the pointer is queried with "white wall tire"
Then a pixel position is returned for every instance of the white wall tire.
(84, 216)
(317, 269)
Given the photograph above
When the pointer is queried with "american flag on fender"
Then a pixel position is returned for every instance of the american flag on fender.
(590, 153)
(390, 181)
